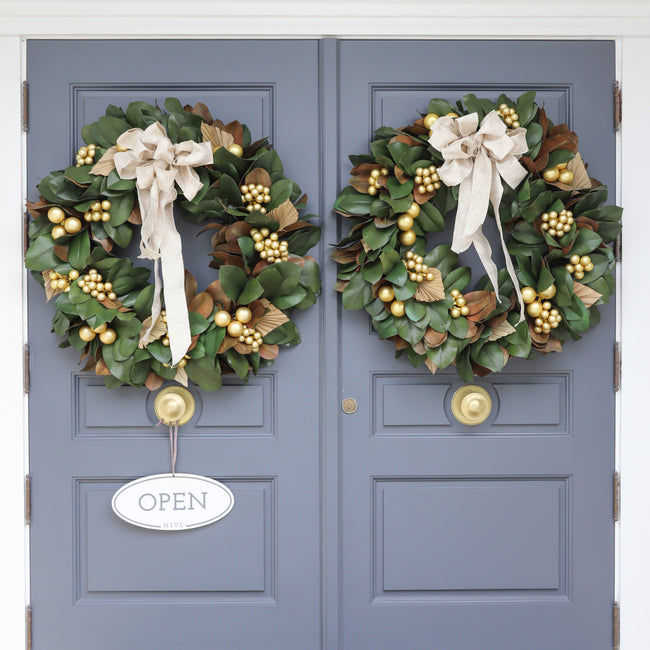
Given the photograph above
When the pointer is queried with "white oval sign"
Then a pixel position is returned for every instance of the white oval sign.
(172, 501)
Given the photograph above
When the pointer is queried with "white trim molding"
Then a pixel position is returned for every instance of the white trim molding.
(628, 22)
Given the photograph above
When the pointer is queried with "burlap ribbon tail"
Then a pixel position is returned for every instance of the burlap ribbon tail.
(477, 160)
(157, 165)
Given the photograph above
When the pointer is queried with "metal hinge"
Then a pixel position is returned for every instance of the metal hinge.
(616, 632)
(25, 233)
(28, 499)
(617, 367)
(617, 496)
(25, 110)
(26, 378)
(618, 106)
(28, 627)
(618, 244)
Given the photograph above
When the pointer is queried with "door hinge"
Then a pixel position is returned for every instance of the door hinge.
(25, 109)
(618, 244)
(617, 367)
(617, 496)
(616, 632)
(26, 378)
(25, 233)
(618, 106)
(28, 499)
(28, 627)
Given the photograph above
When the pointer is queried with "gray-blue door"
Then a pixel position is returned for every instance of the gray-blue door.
(393, 528)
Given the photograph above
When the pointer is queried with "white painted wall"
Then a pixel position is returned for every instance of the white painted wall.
(628, 22)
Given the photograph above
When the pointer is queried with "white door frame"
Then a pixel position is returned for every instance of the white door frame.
(582, 19)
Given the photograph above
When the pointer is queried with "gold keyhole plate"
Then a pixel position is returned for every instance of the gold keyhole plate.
(174, 404)
(471, 405)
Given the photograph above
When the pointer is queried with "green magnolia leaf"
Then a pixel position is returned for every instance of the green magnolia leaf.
(357, 294)
(233, 280)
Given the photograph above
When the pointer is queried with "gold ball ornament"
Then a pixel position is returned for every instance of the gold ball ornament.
(429, 119)
(236, 150)
(235, 329)
(414, 210)
(72, 225)
(405, 222)
(100, 329)
(397, 308)
(535, 309)
(566, 177)
(222, 318)
(548, 293)
(243, 314)
(56, 214)
(551, 175)
(86, 334)
(386, 293)
(108, 336)
(528, 294)
(58, 231)
(408, 238)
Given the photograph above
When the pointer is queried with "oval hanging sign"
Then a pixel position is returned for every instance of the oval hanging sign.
(173, 501)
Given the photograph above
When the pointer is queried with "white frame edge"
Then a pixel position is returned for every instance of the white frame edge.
(506, 20)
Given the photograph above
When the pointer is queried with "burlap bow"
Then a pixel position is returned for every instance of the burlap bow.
(477, 161)
(157, 165)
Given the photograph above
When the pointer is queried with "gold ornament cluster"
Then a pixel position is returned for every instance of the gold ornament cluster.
(418, 271)
(405, 223)
(556, 225)
(578, 266)
(509, 116)
(61, 281)
(92, 283)
(269, 246)
(373, 181)
(106, 334)
(254, 196)
(427, 180)
(387, 295)
(64, 225)
(558, 173)
(460, 307)
(86, 155)
(237, 327)
(538, 307)
(99, 211)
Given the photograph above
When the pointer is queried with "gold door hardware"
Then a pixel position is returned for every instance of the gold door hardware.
(349, 405)
(471, 405)
(174, 404)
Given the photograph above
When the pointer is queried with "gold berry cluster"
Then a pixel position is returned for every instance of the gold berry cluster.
(61, 281)
(99, 211)
(106, 335)
(93, 284)
(557, 224)
(558, 173)
(373, 181)
(405, 224)
(418, 271)
(64, 225)
(430, 118)
(270, 247)
(426, 180)
(237, 327)
(387, 295)
(577, 266)
(509, 116)
(460, 307)
(538, 306)
(86, 155)
(255, 196)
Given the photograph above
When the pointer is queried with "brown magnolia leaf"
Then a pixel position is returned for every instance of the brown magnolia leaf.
(236, 130)
(588, 296)
(113, 304)
(431, 366)
(401, 176)
(235, 231)
(258, 176)
(271, 319)
(105, 165)
(419, 348)
(431, 290)
(157, 331)
(269, 352)
(227, 343)
(201, 110)
(61, 252)
(285, 214)
(420, 199)
(360, 184)
(190, 286)
(218, 295)
(153, 381)
(406, 139)
(481, 304)
(502, 329)
(101, 368)
(181, 376)
(480, 370)
(340, 285)
(364, 169)
(135, 218)
(345, 255)
(216, 137)
(473, 331)
(202, 303)
(433, 338)
(400, 343)
(50, 291)
(90, 364)
(243, 348)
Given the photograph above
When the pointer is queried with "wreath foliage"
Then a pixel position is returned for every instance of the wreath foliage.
(87, 213)
(559, 235)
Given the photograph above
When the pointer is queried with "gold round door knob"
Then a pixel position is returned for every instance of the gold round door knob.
(174, 404)
(471, 405)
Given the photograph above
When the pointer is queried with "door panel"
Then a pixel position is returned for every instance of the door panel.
(243, 582)
(499, 535)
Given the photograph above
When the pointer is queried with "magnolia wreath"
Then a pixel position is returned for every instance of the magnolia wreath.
(480, 158)
(134, 170)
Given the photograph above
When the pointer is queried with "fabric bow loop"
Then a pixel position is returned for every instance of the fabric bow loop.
(158, 166)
